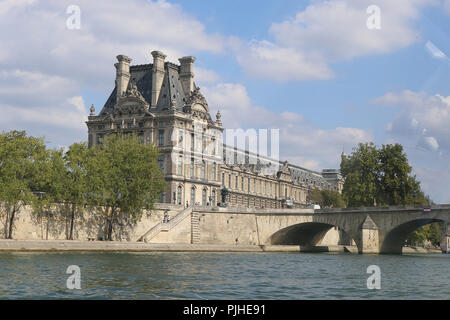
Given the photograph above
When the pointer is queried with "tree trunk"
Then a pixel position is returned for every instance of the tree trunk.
(110, 225)
(72, 219)
(110, 231)
(11, 222)
(6, 223)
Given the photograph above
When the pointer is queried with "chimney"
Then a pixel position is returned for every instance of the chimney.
(122, 74)
(187, 74)
(158, 75)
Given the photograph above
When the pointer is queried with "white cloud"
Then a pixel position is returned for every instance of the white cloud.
(421, 126)
(267, 60)
(326, 32)
(42, 41)
(39, 103)
(8, 5)
(319, 148)
(205, 76)
(45, 67)
(435, 51)
(422, 119)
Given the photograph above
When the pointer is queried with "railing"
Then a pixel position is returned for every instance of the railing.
(177, 219)
(166, 226)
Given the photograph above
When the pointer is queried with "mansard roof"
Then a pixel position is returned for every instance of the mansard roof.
(296, 173)
(141, 75)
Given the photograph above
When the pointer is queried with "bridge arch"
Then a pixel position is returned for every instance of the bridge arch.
(394, 240)
(303, 234)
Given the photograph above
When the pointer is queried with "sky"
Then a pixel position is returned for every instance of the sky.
(327, 74)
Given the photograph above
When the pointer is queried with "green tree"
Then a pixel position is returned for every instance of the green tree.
(326, 198)
(123, 179)
(48, 184)
(332, 199)
(379, 175)
(315, 196)
(431, 232)
(361, 173)
(396, 185)
(75, 162)
(20, 158)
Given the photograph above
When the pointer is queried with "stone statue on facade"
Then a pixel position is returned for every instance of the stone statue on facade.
(224, 192)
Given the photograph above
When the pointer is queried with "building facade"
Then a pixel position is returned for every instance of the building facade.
(160, 103)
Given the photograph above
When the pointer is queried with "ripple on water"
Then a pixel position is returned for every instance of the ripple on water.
(222, 276)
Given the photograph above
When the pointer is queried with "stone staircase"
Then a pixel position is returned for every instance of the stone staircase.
(195, 232)
(162, 226)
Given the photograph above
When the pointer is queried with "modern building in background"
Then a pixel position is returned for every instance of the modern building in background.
(160, 103)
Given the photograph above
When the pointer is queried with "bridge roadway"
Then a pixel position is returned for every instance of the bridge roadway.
(374, 229)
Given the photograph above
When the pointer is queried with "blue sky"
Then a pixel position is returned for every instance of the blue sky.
(311, 68)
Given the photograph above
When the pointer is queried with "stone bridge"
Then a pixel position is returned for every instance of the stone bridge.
(374, 230)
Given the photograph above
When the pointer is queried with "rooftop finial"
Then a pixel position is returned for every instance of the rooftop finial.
(92, 109)
(218, 118)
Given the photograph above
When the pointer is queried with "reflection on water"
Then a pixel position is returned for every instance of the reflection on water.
(169, 275)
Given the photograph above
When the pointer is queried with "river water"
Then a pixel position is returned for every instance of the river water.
(169, 275)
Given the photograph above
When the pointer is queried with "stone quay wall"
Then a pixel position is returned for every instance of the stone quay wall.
(228, 226)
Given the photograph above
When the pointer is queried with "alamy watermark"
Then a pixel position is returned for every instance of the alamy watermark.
(74, 281)
(374, 281)
(374, 20)
(73, 22)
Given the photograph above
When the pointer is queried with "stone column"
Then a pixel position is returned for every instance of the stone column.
(187, 74)
(122, 74)
(157, 76)
(445, 244)
(370, 242)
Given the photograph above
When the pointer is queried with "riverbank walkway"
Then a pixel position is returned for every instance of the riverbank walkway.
(120, 246)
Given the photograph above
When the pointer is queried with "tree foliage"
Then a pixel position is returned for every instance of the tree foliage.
(124, 178)
(379, 176)
(119, 179)
(431, 232)
(21, 157)
(326, 198)
(76, 180)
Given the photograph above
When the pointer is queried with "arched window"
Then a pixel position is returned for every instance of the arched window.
(204, 197)
(161, 137)
(161, 163)
(179, 195)
(213, 198)
(193, 196)
(180, 165)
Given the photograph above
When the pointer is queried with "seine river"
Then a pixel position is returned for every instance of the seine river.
(170, 275)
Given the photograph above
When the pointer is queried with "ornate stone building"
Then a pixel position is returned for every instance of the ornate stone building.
(161, 104)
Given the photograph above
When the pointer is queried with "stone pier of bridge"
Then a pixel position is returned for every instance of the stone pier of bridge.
(445, 244)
